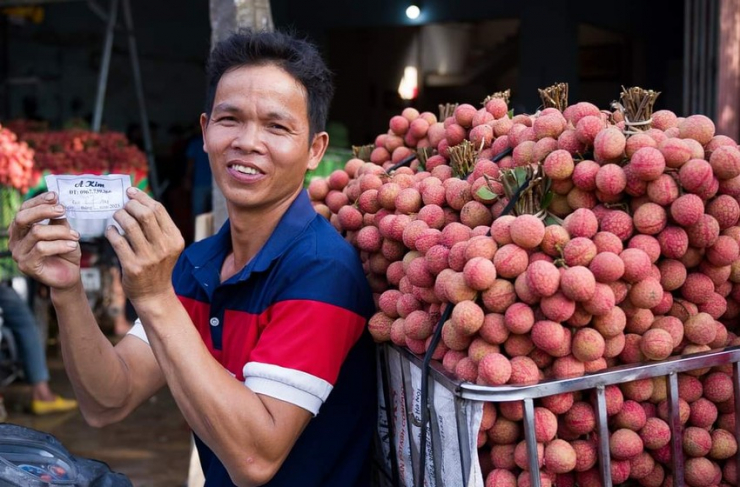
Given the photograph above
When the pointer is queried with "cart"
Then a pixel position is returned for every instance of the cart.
(448, 456)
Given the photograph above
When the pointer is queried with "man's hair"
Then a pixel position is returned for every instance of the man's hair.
(297, 57)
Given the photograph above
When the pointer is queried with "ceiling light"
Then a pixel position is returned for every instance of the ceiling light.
(408, 89)
(413, 11)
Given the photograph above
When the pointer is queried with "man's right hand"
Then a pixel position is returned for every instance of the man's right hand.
(48, 253)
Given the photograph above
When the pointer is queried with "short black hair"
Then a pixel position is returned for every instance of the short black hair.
(298, 57)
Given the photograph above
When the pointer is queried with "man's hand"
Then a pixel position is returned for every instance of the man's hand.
(148, 249)
(48, 253)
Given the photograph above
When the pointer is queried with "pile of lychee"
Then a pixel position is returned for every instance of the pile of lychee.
(635, 258)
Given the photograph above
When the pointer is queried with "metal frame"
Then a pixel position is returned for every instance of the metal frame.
(669, 368)
(111, 19)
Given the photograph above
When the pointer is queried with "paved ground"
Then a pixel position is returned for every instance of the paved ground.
(151, 447)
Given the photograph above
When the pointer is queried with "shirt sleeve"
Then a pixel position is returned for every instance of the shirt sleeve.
(309, 332)
(138, 331)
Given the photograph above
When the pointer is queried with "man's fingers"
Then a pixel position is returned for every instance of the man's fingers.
(23, 244)
(28, 216)
(147, 217)
(131, 229)
(54, 231)
(43, 249)
(47, 198)
(55, 247)
(160, 213)
(120, 245)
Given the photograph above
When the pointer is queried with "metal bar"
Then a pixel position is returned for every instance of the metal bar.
(674, 420)
(701, 58)
(695, 61)
(384, 368)
(670, 367)
(530, 437)
(435, 441)
(463, 438)
(134, 55)
(615, 375)
(97, 10)
(686, 56)
(408, 398)
(712, 86)
(736, 386)
(105, 66)
(605, 461)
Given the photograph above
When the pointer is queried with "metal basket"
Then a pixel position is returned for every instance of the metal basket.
(466, 393)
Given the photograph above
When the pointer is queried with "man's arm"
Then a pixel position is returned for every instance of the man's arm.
(108, 382)
(252, 434)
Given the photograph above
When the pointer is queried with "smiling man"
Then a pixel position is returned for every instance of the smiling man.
(259, 331)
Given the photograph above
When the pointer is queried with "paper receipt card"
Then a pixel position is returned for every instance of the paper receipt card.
(89, 196)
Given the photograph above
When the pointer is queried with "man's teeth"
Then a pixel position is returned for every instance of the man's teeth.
(245, 169)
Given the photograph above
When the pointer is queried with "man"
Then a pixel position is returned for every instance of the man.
(198, 177)
(259, 331)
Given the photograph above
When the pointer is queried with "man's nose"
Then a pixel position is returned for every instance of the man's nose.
(248, 139)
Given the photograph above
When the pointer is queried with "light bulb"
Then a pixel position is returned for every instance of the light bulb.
(413, 12)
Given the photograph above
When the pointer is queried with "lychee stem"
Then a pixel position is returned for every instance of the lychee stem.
(463, 157)
(504, 95)
(555, 96)
(447, 110)
(636, 104)
(363, 151)
(422, 155)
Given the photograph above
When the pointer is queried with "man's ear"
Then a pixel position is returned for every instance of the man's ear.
(316, 151)
(203, 125)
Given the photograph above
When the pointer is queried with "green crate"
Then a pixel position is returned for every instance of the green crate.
(333, 159)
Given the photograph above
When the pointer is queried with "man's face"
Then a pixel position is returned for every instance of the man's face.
(257, 137)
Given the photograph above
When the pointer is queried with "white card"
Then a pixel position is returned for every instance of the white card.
(88, 196)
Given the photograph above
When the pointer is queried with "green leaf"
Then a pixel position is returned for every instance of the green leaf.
(547, 200)
(486, 194)
(511, 113)
(551, 221)
(520, 174)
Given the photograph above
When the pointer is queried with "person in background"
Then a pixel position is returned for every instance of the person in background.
(198, 176)
(19, 318)
(260, 331)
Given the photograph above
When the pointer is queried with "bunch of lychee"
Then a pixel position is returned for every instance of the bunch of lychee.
(639, 441)
(639, 260)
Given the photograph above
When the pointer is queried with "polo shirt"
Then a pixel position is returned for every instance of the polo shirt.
(292, 325)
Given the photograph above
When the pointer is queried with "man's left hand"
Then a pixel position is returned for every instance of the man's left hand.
(148, 249)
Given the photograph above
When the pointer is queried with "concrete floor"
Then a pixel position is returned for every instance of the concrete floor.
(151, 447)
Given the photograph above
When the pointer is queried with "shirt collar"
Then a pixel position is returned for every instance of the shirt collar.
(293, 222)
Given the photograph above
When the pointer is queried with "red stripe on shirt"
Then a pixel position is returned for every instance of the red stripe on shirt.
(309, 336)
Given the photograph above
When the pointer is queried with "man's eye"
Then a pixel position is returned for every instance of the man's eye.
(277, 126)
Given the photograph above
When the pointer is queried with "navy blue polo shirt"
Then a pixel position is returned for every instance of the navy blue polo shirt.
(292, 325)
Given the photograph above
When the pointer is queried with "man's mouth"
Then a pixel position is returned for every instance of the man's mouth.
(245, 169)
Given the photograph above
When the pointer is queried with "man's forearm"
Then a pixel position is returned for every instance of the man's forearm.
(249, 439)
(93, 366)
